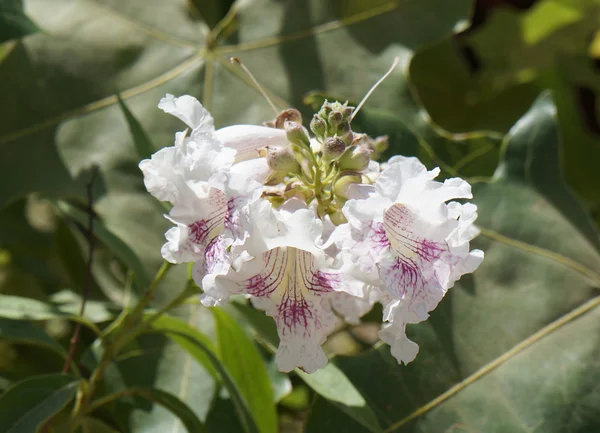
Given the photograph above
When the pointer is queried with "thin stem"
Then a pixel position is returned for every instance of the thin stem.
(85, 293)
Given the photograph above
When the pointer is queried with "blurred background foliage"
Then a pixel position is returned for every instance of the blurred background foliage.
(501, 92)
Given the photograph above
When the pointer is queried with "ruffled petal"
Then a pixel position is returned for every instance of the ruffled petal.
(401, 348)
(190, 111)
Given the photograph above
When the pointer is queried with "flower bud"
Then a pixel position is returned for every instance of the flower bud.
(355, 158)
(333, 147)
(381, 144)
(347, 112)
(335, 118)
(344, 182)
(337, 218)
(282, 159)
(297, 134)
(318, 126)
(345, 132)
(289, 115)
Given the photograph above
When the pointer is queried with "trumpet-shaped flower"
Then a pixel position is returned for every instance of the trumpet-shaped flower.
(309, 228)
(405, 239)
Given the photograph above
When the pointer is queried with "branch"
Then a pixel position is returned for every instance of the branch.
(85, 292)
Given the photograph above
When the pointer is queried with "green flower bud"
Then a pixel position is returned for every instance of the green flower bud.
(297, 134)
(345, 133)
(333, 148)
(355, 158)
(337, 218)
(326, 108)
(347, 112)
(289, 115)
(335, 118)
(318, 126)
(340, 188)
(381, 144)
(282, 159)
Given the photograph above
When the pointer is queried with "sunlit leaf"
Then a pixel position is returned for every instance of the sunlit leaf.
(247, 368)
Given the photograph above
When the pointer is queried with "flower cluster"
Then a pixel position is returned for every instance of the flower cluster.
(310, 228)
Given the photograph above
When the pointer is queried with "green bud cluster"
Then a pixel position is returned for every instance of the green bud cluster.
(322, 168)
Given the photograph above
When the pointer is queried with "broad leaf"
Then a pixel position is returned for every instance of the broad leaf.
(31, 402)
(496, 342)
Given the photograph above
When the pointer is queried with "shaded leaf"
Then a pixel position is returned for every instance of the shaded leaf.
(14, 23)
(21, 332)
(29, 403)
(142, 142)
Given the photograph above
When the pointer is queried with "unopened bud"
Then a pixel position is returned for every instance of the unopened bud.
(347, 112)
(344, 182)
(318, 126)
(345, 132)
(297, 134)
(355, 159)
(289, 115)
(337, 218)
(335, 118)
(282, 159)
(326, 108)
(333, 147)
(381, 144)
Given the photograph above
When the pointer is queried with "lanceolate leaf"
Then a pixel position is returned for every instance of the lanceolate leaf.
(29, 403)
(491, 352)
(247, 368)
(21, 332)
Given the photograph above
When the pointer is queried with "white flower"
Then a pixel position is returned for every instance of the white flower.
(289, 277)
(209, 195)
(277, 232)
(404, 239)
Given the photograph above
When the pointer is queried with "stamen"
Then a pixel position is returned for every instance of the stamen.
(387, 74)
(258, 86)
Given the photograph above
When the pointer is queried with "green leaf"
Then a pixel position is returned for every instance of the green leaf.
(13, 21)
(170, 402)
(142, 142)
(64, 305)
(514, 56)
(119, 248)
(494, 344)
(203, 350)
(155, 361)
(20, 332)
(31, 402)
(247, 368)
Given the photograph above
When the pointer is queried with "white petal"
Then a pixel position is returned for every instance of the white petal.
(403, 349)
(276, 228)
(286, 284)
(351, 307)
(248, 139)
(190, 111)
